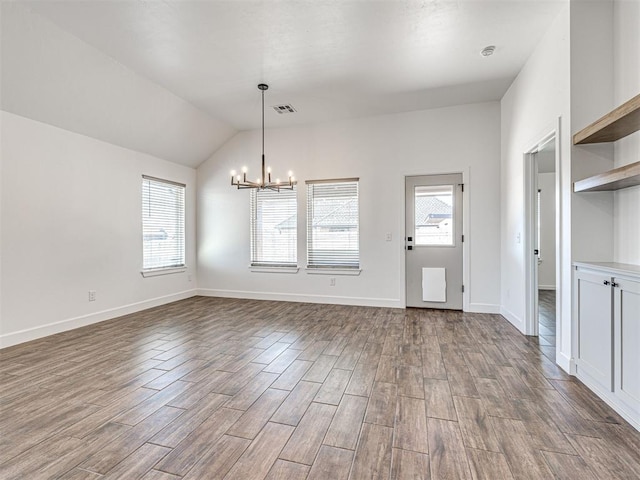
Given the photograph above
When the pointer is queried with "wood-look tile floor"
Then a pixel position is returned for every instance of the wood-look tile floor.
(547, 323)
(212, 388)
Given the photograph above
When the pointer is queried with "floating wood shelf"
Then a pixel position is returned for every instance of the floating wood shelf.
(616, 124)
(623, 177)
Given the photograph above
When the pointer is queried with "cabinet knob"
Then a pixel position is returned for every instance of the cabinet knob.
(614, 284)
(606, 282)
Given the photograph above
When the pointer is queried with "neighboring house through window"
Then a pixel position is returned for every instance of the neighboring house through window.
(163, 227)
(274, 228)
(433, 215)
(333, 223)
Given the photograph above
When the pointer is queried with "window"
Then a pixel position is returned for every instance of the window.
(162, 224)
(433, 215)
(332, 224)
(274, 225)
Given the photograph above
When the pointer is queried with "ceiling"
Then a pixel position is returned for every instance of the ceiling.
(330, 59)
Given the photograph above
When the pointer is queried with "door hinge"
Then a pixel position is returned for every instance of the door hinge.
(462, 238)
(462, 288)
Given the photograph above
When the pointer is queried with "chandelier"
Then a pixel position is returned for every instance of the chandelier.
(265, 182)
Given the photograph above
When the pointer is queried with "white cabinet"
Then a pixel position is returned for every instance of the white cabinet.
(627, 346)
(607, 339)
(593, 304)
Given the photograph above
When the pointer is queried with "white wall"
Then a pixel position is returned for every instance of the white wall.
(591, 97)
(381, 151)
(529, 110)
(626, 56)
(70, 223)
(547, 269)
(52, 76)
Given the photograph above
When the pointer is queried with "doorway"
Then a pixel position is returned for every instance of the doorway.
(546, 256)
(541, 243)
(433, 252)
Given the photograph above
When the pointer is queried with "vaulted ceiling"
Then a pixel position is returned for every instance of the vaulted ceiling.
(177, 79)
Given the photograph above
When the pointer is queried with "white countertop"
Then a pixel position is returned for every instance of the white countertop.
(619, 268)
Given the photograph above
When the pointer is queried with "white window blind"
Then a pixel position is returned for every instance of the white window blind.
(162, 224)
(274, 227)
(332, 224)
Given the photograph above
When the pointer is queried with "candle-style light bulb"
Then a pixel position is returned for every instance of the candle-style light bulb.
(290, 173)
(238, 177)
(244, 169)
(233, 173)
(268, 169)
(258, 181)
(278, 181)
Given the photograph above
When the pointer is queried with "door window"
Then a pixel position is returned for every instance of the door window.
(433, 215)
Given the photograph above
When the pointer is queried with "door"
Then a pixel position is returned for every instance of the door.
(536, 246)
(593, 304)
(626, 294)
(433, 251)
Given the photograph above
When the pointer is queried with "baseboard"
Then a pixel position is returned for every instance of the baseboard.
(512, 319)
(304, 298)
(547, 287)
(565, 363)
(483, 308)
(633, 417)
(22, 336)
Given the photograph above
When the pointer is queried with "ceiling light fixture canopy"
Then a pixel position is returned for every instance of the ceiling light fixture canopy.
(263, 183)
(488, 51)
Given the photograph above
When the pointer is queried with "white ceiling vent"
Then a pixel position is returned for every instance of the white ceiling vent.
(284, 108)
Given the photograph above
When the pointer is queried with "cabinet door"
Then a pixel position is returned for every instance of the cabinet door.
(627, 341)
(595, 327)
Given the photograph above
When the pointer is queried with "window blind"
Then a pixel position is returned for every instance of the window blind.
(163, 229)
(274, 226)
(333, 224)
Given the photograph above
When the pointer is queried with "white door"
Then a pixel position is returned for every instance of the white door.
(536, 246)
(593, 304)
(627, 338)
(433, 238)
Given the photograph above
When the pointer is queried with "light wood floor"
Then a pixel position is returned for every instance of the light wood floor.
(218, 388)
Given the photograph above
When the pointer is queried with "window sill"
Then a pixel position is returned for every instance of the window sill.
(162, 271)
(334, 271)
(258, 269)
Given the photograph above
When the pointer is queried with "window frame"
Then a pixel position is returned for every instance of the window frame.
(453, 234)
(180, 228)
(337, 267)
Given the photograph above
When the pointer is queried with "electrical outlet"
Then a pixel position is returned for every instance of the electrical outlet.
(92, 295)
(388, 237)
(332, 282)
